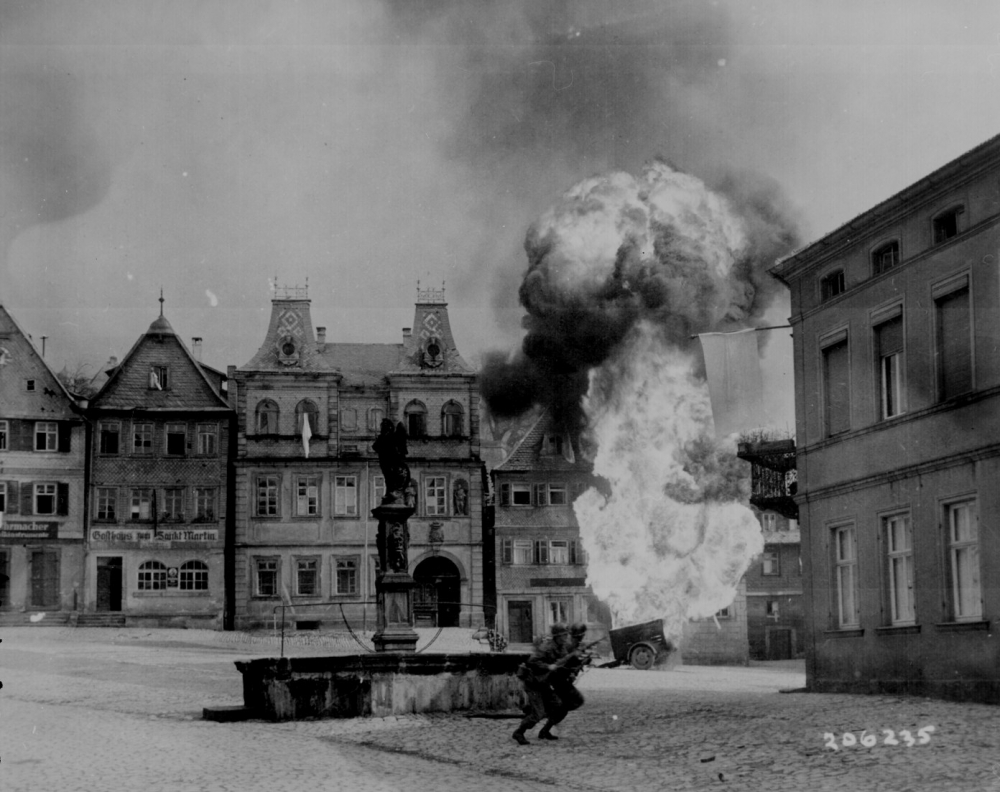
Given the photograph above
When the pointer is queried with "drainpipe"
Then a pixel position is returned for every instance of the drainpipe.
(367, 560)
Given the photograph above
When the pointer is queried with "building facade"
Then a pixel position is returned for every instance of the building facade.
(42, 490)
(307, 478)
(541, 576)
(158, 489)
(775, 614)
(896, 329)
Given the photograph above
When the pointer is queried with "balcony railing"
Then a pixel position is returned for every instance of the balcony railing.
(773, 481)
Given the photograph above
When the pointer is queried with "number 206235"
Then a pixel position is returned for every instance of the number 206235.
(866, 740)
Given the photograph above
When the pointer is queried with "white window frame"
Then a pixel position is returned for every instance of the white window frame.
(519, 488)
(266, 565)
(173, 504)
(46, 489)
(142, 432)
(106, 504)
(770, 562)
(267, 493)
(436, 496)
(208, 439)
(345, 496)
(346, 564)
(523, 552)
(49, 430)
(307, 496)
(139, 497)
(898, 533)
(557, 495)
(152, 576)
(846, 576)
(204, 504)
(193, 576)
(173, 429)
(559, 552)
(963, 561)
(377, 490)
(308, 564)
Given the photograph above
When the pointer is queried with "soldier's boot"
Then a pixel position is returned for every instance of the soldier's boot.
(546, 734)
(519, 736)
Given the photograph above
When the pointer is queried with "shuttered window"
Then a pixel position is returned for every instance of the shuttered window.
(889, 346)
(836, 386)
(954, 343)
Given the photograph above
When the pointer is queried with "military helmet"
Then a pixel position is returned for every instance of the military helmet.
(578, 629)
(559, 629)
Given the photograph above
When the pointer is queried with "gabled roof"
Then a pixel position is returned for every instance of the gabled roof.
(16, 364)
(527, 452)
(127, 387)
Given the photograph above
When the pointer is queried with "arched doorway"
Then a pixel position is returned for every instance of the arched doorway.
(437, 593)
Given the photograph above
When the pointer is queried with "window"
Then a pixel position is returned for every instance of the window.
(173, 504)
(204, 504)
(899, 552)
(4, 430)
(557, 495)
(945, 225)
(142, 438)
(267, 577)
(306, 410)
(416, 419)
(375, 416)
(110, 434)
(831, 285)
(558, 611)
(307, 577)
(267, 496)
(768, 521)
(267, 417)
(194, 576)
(963, 561)
(345, 496)
(29, 385)
(142, 505)
(522, 551)
(208, 439)
(771, 609)
(152, 576)
(846, 576)
(553, 445)
(107, 504)
(3, 507)
(46, 436)
(889, 353)
(836, 385)
(515, 494)
(176, 439)
(378, 490)
(158, 378)
(347, 576)
(954, 343)
(45, 498)
(770, 561)
(559, 552)
(452, 419)
(723, 613)
(886, 257)
(307, 496)
(349, 419)
(435, 495)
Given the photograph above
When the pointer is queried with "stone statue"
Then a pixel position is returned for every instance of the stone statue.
(460, 498)
(390, 445)
(397, 540)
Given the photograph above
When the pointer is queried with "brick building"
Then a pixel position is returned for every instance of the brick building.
(306, 477)
(158, 488)
(897, 391)
(42, 492)
(541, 574)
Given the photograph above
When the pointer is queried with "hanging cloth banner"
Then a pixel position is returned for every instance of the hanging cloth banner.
(732, 365)
(306, 434)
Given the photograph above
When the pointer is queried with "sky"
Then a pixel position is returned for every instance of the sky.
(212, 147)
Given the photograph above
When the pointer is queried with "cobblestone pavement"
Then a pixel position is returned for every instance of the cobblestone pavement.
(120, 710)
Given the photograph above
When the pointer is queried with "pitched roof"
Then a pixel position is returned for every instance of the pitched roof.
(527, 453)
(20, 360)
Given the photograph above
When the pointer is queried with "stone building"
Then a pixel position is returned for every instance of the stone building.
(541, 576)
(42, 468)
(775, 616)
(721, 639)
(158, 488)
(306, 477)
(896, 328)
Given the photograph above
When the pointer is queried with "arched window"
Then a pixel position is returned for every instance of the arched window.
(416, 419)
(267, 417)
(194, 576)
(306, 410)
(152, 576)
(885, 257)
(375, 416)
(452, 419)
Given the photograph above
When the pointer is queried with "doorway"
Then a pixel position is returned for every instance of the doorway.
(779, 643)
(109, 583)
(519, 622)
(44, 579)
(437, 594)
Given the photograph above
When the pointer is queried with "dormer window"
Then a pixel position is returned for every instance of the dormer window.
(553, 445)
(433, 353)
(158, 379)
(885, 257)
(831, 285)
(945, 225)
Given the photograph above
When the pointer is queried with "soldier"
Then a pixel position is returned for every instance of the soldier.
(534, 674)
(562, 680)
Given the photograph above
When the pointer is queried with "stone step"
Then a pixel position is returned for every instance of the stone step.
(101, 620)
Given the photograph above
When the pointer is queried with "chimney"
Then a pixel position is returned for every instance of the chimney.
(320, 335)
(196, 348)
(407, 332)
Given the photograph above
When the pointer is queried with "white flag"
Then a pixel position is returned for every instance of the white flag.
(306, 434)
(732, 364)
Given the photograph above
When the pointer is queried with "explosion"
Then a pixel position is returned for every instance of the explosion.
(623, 271)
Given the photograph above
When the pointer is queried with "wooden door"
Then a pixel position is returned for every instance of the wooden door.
(519, 621)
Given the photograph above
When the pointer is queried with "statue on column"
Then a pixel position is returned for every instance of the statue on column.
(390, 445)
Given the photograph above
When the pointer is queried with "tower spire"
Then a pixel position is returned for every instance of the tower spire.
(161, 301)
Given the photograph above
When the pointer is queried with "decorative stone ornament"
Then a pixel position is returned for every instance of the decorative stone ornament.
(288, 351)
(433, 356)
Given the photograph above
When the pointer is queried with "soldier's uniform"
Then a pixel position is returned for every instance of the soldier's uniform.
(542, 699)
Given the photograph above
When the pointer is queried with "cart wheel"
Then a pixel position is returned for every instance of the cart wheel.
(642, 657)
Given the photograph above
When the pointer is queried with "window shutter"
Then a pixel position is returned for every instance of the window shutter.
(539, 498)
(13, 502)
(508, 551)
(23, 435)
(27, 496)
(572, 551)
(505, 494)
(954, 344)
(541, 551)
(62, 498)
(65, 435)
(837, 388)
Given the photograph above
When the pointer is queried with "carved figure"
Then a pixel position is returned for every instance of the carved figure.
(397, 541)
(390, 446)
(460, 498)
